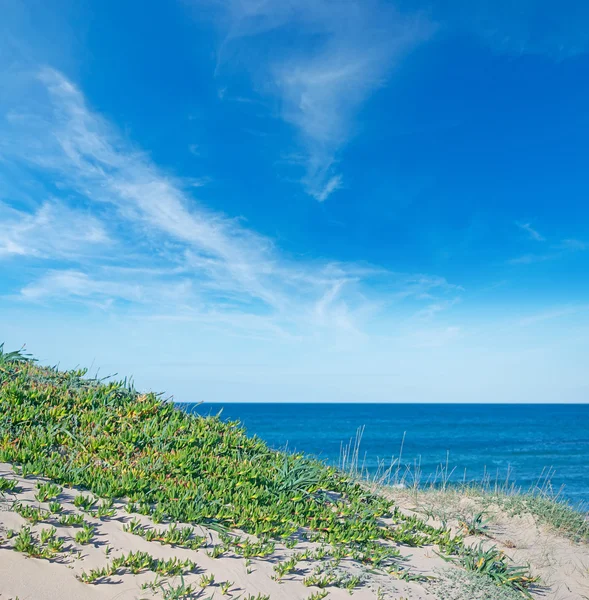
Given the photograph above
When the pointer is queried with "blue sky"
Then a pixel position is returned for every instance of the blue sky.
(312, 200)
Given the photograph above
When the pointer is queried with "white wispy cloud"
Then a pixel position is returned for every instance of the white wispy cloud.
(336, 56)
(522, 27)
(558, 250)
(532, 233)
(435, 308)
(53, 230)
(528, 259)
(172, 254)
(331, 185)
(531, 27)
(551, 314)
(78, 285)
(574, 245)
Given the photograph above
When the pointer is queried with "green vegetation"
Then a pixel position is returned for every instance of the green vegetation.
(85, 535)
(24, 542)
(51, 541)
(439, 498)
(84, 502)
(116, 443)
(31, 513)
(320, 580)
(328, 575)
(549, 510)
(246, 547)
(14, 357)
(137, 562)
(206, 580)
(48, 547)
(178, 592)
(7, 486)
(285, 567)
(71, 520)
(495, 564)
(106, 510)
(475, 525)
(174, 536)
(466, 585)
(47, 491)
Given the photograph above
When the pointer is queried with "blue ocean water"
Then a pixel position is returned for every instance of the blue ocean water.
(522, 441)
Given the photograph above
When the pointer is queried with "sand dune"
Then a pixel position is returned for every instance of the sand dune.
(561, 563)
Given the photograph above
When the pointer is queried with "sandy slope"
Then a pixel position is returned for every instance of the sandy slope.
(37, 579)
(562, 565)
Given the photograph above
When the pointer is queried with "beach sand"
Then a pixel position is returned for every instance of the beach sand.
(563, 565)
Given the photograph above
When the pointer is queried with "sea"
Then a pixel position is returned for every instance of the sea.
(544, 447)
